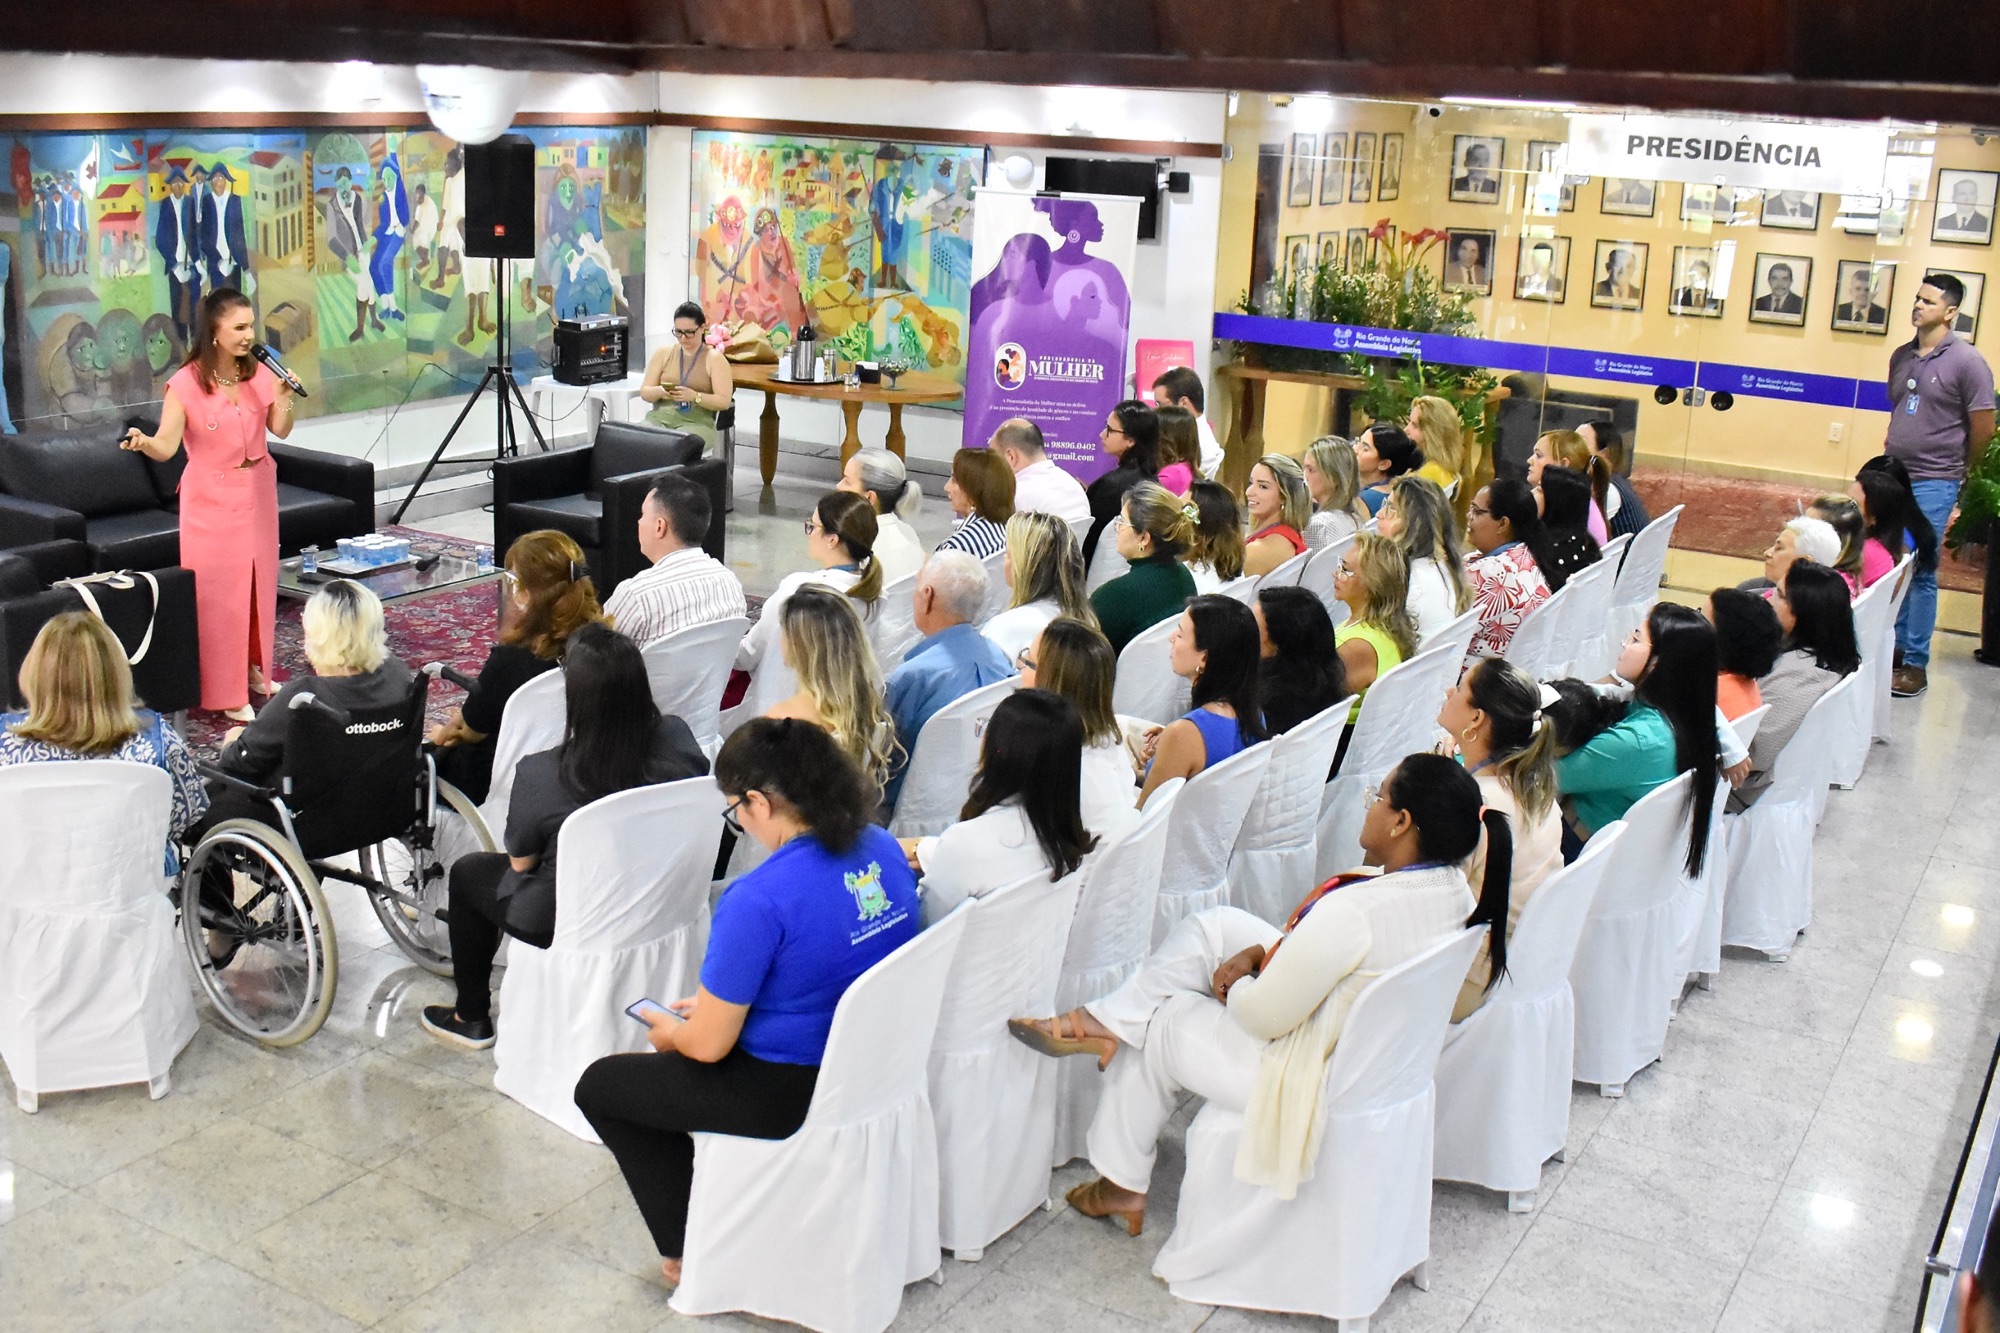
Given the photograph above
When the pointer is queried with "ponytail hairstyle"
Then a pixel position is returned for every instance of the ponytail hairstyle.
(1047, 564)
(548, 566)
(1679, 681)
(1032, 755)
(799, 767)
(1444, 803)
(609, 714)
(1430, 531)
(1154, 510)
(884, 474)
(1295, 504)
(1141, 425)
(1180, 441)
(1569, 449)
(1844, 516)
(851, 518)
(1893, 509)
(1218, 529)
(824, 643)
(1440, 433)
(1226, 630)
(1514, 500)
(1523, 732)
(1385, 581)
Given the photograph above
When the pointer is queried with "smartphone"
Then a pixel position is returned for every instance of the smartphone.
(644, 1011)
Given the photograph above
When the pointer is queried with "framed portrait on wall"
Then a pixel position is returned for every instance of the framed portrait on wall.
(1967, 324)
(1357, 247)
(1332, 168)
(1627, 198)
(1965, 207)
(1298, 257)
(1468, 260)
(1299, 171)
(1779, 288)
(1543, 155)
(1717, 205)
(1863, 293)
(1794, 210)
(1475, 169)
(1542, 271)
(1327, 249)
(1363, 187)
(1618, 275)
(1697, 288)
(1389, 185)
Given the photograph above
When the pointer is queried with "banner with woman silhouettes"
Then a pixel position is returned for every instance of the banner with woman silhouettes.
(1051, 318)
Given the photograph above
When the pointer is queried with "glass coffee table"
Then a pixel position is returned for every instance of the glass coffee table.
(391, 582)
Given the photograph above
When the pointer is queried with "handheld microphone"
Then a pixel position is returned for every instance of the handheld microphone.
(270, 358)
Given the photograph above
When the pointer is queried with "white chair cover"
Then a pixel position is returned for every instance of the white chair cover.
(1537, 645)
(1503, 1081)
(1271, 868)
(992, 1097)
(689, 670)
(1879, 684)
(1212, 808)
(1587, 652)
(1243, 590)
(945, 757)
(1145, 685)
(1874, 627)
(1706, 963)
(1640, 575)
(1317, 576)
(1398, 718)
(534, 720)
(94, 986)
(893, 628)
(631, 923)
(1458, 634)
(1110, 936)
(1632, 960)
(998, 592)
(1770, 844)
(827, 1227)
(1105, 562)
(1362, 1220)
(1288, 574)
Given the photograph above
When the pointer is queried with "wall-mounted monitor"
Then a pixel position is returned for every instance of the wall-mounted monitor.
(1093, 175)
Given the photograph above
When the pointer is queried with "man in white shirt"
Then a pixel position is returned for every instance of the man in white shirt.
(1039, 485)
(1181, 387)
(685, 585)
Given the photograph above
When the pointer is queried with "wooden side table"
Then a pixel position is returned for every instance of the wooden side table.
(914, 387)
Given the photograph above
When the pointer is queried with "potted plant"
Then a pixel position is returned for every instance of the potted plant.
(1971, 537)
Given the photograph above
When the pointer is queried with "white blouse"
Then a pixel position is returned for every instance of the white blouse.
(1017, 626)
(763, 636)
(897, 547)
(1431, 602)
(974, 857)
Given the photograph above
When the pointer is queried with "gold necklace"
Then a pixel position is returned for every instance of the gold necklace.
(228, 379)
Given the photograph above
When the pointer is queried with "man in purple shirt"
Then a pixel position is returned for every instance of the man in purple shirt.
(1940, 417)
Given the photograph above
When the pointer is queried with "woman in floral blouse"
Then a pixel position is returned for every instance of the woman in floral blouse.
(1505, 529)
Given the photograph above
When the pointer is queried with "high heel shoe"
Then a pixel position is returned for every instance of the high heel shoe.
(1088, 1199)
(244, 714)
(1049, 1041)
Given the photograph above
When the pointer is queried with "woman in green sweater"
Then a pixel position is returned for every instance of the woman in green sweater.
(1153, 527)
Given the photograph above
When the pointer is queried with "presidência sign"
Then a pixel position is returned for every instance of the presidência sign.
(1714, 150)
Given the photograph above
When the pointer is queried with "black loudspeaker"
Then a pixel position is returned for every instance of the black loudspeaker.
(500, 198)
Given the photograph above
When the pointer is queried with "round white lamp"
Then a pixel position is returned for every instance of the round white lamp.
(1019, 170)
(471, 103)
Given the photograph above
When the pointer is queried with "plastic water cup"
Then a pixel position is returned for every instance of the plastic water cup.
(484, 557)
(309, 560)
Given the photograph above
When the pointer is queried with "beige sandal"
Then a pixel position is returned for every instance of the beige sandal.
(1050, 1041)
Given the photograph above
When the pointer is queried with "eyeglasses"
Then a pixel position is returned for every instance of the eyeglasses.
(812, 526)
(686, 333)
(1121, 522)
(729, 816)
(1023, 661)
(1113, 430)
(1480, 510)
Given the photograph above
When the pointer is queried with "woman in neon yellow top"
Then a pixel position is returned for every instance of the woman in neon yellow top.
(1374, 581)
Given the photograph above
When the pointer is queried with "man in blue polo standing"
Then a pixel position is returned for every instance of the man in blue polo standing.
(1940, 418)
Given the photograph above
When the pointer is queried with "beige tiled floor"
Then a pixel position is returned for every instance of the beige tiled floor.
(1782, 1168)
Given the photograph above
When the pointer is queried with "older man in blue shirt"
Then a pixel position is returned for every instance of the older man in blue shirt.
(954, 658)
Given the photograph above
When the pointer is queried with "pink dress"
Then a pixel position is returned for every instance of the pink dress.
(229, 530)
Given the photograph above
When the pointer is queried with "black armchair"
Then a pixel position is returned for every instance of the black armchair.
(594, 494)
(167, 680)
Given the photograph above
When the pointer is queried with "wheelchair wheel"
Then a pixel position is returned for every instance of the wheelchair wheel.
(276, 985)
(416, 877)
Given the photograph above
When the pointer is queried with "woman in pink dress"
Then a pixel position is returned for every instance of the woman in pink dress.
(220, 404)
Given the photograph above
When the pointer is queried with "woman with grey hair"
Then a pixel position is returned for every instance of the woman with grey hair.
(881, 477)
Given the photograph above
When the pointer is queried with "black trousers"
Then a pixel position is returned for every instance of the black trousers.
(645, 1106)
(477, 919)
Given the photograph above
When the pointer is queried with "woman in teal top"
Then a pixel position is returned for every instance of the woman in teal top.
(1373, 580)
(1151, 530)
(1668, 730)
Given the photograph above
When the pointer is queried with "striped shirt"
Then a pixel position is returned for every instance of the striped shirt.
(976, 535)
(687, 587)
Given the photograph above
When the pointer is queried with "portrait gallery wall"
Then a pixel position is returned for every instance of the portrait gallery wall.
(348, 242)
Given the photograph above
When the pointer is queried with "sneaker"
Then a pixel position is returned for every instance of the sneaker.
(1908, 682)
(442, 1021)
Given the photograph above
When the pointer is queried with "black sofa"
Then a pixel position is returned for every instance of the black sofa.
(1535, 409)
(593, 494)
(78, 485)
(167, 680)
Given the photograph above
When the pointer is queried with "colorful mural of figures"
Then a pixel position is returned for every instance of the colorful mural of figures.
(870, 242)
(349, 242)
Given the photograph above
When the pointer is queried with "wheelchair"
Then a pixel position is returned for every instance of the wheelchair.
(359, 785)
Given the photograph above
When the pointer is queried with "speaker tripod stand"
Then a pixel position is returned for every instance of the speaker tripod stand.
(499, 377)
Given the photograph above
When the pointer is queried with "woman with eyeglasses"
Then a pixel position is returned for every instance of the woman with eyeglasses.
(1072, 658)
(614, 739)
(689, 383)
(1373, 581)
(1131, 435)
(1417, 517)
(1152, 531)
(840, 540)
(1279, 507)
(547, 595)
(1044, 572)
(834, 898)
(1819, 650)
(1505, 529)
(1248, 1015)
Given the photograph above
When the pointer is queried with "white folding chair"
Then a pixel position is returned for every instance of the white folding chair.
(94, 984)
(1212, 808)
(1536, 647)
(943, 761)
(1503, 1081)
(535, 718)
(1398, 718)
(1362, 1221)
(1109, 937)
(1271, 868)
(1706, 963)
(1770, 844)
(1878, 686)
(998, 591)
(1640, 575)
(1242, 589)
(688, 671)
(1855, 733)
(1288, 574)
(893, 628)
(1105, 562)
(1584, 649)
(1145, 685)
(1317, 576)
(1631, 963)
(1458, 634)
(991, 1096)
(827, 1227)
(633, 883)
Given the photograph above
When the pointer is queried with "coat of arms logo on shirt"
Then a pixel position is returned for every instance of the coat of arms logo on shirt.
(869, 896)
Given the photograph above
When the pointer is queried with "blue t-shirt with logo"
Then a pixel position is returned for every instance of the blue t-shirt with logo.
(791, 936)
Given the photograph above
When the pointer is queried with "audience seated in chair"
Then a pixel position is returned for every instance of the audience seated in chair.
(835, 897)
(953, 658)
(1896, 524)
(1381, 454)
(547, 596)
(614, 739)
(1215, 648)
(1624, 512)
(1021, 817)
(1247, 1015)
(1566, 448)
(1151, 532)
(980, 491)
(1131, 434)
(1180, 448)
(1378, 635)
(1564, 494)
(1073, 658)
(1844, 517)
(1215, 556)
(1802, 538)
(1040, 487)
(1748, 640)
(80, 706)
(879, 477)
(1417, 517)
(1813, 610)
(1279, 508)
(1334, 479)
(840, 686)
(682, 585)
(1044, 570)
(1300, 674)
(840, 540)
(1439, 432)
(1505, 530)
